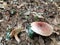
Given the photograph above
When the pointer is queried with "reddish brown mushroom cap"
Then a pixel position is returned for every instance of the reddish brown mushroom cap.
(42, 28)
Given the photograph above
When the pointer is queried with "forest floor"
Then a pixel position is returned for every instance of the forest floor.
(49, 10)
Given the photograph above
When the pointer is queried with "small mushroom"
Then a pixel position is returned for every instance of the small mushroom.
(42, 28)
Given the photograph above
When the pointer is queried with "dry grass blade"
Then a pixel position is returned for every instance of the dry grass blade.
(24, 3)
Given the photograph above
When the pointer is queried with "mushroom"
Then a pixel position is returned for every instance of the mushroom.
(42, 28)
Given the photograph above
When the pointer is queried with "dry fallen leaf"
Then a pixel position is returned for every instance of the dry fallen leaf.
(54, 41)
(15, 32)
(55, 22)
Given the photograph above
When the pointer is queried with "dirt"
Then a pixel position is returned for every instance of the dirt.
(50, 10)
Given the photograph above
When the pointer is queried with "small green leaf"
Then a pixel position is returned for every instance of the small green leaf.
(26, 17)
(30, 32)
(36, 18)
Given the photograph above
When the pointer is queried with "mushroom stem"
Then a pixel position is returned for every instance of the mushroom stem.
(16, 37)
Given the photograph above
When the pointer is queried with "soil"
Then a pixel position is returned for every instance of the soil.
(50, 10)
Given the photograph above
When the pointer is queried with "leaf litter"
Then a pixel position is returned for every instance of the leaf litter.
(26, 13)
